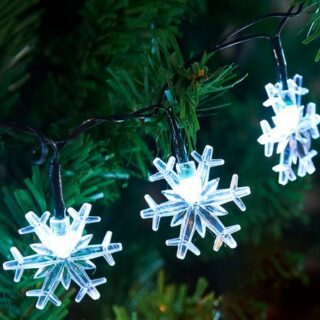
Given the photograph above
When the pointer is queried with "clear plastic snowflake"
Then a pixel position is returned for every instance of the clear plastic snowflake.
(194, 203)
(63, 254)
(294, 126)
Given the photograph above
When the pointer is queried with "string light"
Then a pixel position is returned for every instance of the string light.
(294, 127)
(63, 254)
(194, 202)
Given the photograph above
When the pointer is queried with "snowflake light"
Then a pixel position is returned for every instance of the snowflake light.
(194, 203)
(294, 126)
(62, 255)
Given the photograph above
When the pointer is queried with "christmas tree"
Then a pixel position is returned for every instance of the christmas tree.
(122, 69)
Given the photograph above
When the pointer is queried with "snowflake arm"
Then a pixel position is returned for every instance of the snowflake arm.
(222, 196)
(223, 234)
(81, 218)
(165, 172)
(284, 168)
(205, 163)
(20, 263)
(106, 249)
(184, 242)
(46, 293)
(166, 209)
(36, 223)
(194, 203)
(87, 286)
(310, 121)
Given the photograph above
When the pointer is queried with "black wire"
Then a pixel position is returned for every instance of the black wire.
(18, 127)
(280, 61)
(56, 181)
(56, 188)
(176, 136)
(55, 167)
(278, 51)
(153, 110)
(286, 16)
(141, 114)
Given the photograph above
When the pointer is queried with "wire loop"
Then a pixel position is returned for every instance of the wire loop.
(22, 128)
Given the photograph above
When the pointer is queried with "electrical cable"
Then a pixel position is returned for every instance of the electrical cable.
(153, 110)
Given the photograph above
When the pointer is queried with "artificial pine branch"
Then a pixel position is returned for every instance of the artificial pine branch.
(110, 57)
(19, 22)
(313, 27)
(170, 301)
(193, 84)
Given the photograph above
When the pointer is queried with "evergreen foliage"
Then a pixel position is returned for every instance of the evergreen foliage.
(63, 62)
(313, 28)
(169, 301)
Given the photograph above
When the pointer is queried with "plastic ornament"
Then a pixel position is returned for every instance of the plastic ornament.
(294, 126)
(63, 254)
(194, 202)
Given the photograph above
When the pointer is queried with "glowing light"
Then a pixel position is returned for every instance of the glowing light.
(62, 255)
(294, 126)
(194, 202)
